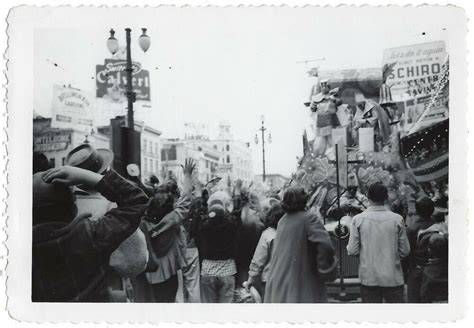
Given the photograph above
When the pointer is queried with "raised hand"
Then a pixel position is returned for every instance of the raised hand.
(72, 176)
(188, 167)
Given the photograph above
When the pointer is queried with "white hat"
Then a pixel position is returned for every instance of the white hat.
(133, 170)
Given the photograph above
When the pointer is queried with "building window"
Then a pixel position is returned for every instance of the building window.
(227, 147)
(169, 154)
(172, 156)
(228, 159)
(145, 145)
(52, 162)
(156, 166)
(156, 150)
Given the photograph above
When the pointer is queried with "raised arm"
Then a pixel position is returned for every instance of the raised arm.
(116, 225)
(184, 202)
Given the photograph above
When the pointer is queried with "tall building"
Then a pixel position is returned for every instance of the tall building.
(236, 156)
(175, 151)
(222, 157)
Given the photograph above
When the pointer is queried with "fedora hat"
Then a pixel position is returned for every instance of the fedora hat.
(87, 157)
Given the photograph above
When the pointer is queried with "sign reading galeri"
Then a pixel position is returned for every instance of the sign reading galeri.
(71, 106)
(112, 81)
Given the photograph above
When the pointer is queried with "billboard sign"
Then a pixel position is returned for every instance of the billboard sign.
(413, 74)
(111, 81)
(71, 107)
(52, 141)
(412, 71)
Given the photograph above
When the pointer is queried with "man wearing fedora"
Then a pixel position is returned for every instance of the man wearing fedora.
(86, 157)
(71, 253)
(130, 258)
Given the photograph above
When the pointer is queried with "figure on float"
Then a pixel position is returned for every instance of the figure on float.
(323, 112)
(369, 114)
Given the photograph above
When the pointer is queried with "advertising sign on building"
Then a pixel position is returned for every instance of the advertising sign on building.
(71, 107)
(414, 75)
(412, 71)
(196, 131)
(111, 81)
(52, 141)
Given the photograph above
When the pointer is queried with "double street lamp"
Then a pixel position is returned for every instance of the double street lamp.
(144, 42)
(263, 129)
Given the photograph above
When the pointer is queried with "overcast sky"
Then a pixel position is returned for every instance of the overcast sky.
(232, 64)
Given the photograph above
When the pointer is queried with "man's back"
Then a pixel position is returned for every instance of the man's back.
(378, 236)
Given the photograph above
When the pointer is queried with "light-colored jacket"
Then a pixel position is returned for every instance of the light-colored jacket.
(379, 238)
(263, 255)
(171, 235)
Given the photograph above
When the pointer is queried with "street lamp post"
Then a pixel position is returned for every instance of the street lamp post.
(131, 96)
(113, 46)
(263, 129)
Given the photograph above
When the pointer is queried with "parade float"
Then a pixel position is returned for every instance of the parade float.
(389, 125)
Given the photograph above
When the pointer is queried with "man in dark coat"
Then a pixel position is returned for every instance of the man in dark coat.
(419, 256)
(71, 254)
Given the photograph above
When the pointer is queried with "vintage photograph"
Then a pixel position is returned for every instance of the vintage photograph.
(242, 155)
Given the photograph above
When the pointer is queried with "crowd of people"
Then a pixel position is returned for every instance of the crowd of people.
(102, 237)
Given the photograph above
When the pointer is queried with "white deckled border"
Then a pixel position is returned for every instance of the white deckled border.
(23, 21)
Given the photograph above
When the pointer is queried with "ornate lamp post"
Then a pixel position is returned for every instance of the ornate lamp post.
(263, 129)
(113, 47)
(144, 42)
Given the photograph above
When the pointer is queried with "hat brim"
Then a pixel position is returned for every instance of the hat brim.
(106, 157)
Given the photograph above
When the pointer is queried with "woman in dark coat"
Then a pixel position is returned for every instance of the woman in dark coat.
(303, 255)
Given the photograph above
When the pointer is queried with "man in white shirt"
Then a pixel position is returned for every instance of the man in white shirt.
(379, 238)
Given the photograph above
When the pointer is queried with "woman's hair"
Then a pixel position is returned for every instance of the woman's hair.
(274, 214)
(294, 200)
(154, 179)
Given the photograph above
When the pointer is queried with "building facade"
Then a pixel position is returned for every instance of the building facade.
(150, 150)
(236, 156)
(222, 157)
(57, 142)
(175, 151)
(150, 146)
